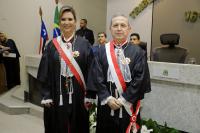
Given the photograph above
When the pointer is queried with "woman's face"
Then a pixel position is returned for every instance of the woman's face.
(67, 23)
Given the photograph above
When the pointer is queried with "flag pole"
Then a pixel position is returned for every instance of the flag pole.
(56, 2)
(43, 33)
(40, 13)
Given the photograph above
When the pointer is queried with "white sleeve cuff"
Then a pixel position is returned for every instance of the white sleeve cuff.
(105, 101)
(46, 101)
(90, 100)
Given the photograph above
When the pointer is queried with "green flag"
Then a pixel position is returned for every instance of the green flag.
(56, 30)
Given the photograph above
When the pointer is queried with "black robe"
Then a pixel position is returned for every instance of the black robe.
(87, 34)
(12, 65)
(3, 84)
(136, 88)
(69, 118)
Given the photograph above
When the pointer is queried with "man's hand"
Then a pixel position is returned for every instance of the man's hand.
(6, 48)
(6, 52)
(114, 104)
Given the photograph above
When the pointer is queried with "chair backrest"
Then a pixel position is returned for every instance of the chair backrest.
(170, 53)
(170, 39)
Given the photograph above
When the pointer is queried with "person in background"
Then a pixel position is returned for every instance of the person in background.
(85, 32)
(11, 61)
(3, 83)
(101, 40)
(121, 81)
(135, 39)
(63, 74)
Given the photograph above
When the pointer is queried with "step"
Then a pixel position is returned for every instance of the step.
(14, 106)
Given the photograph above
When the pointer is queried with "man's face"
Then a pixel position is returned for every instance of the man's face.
(134, 40)
(120, 28)
(101, 39)
(82, 24)
(67, 23)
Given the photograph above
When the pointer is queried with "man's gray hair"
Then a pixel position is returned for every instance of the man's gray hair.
(119, 15)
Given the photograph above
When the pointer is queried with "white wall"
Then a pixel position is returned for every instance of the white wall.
(20, 20)
(141, 24)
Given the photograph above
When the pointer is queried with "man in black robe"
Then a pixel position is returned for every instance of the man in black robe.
(112, 117)
(11, 63)
(85, 32)
(63, 96)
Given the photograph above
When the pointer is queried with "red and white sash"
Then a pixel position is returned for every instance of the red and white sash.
(119, 81)
(70, 61)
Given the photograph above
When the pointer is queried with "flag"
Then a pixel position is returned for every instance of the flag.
(56, 30)
(43, 37)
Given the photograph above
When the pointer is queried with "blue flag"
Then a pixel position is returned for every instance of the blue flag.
(43, 37)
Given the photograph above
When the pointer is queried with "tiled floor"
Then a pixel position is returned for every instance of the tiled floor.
(20, 123)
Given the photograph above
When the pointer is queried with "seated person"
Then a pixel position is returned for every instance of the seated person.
(3, 84)
(11, 61)
(170, 52)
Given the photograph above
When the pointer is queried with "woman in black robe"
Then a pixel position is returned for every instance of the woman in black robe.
(63, 97)
(11, 63)
(3, 83)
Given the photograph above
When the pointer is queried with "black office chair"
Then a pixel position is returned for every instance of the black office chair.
(170, 52)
